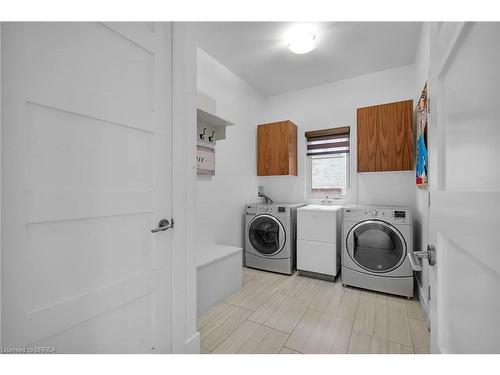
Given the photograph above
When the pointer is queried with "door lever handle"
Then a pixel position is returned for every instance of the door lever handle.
(416, 265)
(163, 225)
(429, 254)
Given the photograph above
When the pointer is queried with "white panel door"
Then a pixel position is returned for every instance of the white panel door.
(464, 178)
(86, 175)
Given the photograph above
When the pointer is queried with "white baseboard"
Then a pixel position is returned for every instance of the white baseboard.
(424, 306)
(192, 345)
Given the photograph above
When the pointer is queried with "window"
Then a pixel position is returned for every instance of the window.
(328, 158)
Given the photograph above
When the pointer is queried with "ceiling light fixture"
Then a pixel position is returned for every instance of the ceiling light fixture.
(301, 41)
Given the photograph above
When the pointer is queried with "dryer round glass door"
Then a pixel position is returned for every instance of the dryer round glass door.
(266, 235)
(376, 246)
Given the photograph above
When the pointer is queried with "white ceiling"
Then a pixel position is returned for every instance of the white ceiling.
(258, 53)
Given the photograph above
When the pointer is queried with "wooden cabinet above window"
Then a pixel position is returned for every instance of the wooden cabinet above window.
(277, 149)
(385, 137)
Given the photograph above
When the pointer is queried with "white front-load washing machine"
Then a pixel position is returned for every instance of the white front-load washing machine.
(270, 236)
(375, 244)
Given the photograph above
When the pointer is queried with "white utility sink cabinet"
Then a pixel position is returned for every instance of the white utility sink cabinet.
(318, 242)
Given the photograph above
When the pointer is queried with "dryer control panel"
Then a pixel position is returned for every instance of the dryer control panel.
(396, 215)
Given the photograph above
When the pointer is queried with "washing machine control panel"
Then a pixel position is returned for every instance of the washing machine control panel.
(275, 210)
(266, 209)
(250, 210)
(399, 214)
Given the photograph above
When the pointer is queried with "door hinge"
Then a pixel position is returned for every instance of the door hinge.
(429, 200)
(429, 292)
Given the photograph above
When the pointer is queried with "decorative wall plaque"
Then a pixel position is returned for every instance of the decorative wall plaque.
(205, 160)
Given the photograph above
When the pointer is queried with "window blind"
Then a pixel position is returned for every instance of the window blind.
(328, 141)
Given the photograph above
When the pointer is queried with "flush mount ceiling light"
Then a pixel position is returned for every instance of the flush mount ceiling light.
(301, 40)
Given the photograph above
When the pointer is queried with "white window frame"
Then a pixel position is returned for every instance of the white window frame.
(338, 198)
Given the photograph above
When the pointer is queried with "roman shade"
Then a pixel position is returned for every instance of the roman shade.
(328, 141)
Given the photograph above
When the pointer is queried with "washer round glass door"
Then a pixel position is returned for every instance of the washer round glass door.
(266, 234)
(376, 246)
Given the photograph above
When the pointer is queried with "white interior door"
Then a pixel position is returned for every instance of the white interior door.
(464, 163)
(86, 175)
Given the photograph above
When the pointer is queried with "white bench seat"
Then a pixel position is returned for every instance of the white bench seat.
(219, 270)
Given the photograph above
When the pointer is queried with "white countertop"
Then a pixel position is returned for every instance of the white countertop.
(320, 207)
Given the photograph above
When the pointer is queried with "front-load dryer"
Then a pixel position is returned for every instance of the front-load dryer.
(270, 237)
(375, 244)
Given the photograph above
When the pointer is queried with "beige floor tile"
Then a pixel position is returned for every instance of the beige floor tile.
(391, 299)
(250, 274)
(252, 295)
(414, 310)
(301, 287)
(250, 338)
(286, 350)
(320, 333)
(280, 312)
(420, 336)
(365, 314)
(217, 324)
(365, 344)
(391, 320)
(389, 347)
(362, 344)
(204, 351)
(336, 300)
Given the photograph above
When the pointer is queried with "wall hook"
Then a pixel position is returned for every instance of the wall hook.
(202, 135)
(211, 138)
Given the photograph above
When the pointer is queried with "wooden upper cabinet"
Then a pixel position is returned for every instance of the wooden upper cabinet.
(385, 137)
(277, 149)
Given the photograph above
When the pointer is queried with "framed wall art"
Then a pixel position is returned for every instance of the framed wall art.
(205, 160)
(421, 154)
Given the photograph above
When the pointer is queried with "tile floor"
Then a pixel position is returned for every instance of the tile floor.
(274, 313)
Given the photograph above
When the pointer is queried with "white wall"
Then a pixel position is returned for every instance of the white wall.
(335, 105)
(420, 219)
(422, 64)
(221, 198)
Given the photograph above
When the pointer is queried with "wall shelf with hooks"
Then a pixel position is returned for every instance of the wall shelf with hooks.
(212, 123)
(211, 128)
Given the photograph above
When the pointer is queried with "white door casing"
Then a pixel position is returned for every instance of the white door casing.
(86, 174)
(464, 161)
(185, 337)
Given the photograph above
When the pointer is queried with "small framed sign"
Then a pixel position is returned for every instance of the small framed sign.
(205, 160)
